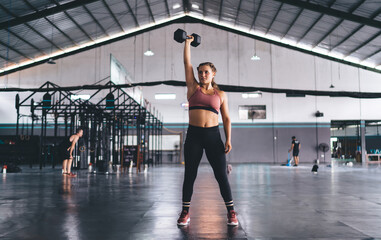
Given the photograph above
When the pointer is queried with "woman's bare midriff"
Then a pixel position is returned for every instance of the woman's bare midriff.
(202, 118)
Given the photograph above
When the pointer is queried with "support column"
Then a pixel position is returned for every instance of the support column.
(363, 143)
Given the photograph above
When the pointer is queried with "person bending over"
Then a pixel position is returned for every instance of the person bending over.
(205, 102)
(68, 146)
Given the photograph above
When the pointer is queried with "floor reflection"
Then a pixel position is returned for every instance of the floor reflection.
(71, 219)
(232, 231)
(184, 231)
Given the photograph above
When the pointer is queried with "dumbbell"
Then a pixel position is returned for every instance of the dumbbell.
(180, 36)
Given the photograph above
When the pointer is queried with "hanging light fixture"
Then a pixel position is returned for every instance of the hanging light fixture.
(331, 78)
(51, 61)
(255, 57)
(330, 49)
(149, 53)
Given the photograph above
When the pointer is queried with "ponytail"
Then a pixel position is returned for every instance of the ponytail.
(214, 85)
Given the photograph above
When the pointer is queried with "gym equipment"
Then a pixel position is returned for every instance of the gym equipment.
(324, 147)
(315, 167)
(180, 36)
(47, 101)
(289, 160)
(109, 120)
(229, 168)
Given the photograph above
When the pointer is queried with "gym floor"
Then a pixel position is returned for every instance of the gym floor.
(273, 202)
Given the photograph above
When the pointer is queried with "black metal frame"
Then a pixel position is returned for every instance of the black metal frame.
(106, 129)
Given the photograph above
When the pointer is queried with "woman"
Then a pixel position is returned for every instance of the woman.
(205, 102)
(67, 148)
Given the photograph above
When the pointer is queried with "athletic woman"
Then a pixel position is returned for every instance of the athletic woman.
(205, 103)
(67, 148)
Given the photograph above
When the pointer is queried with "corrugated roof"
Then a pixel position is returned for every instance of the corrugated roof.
(347, 30)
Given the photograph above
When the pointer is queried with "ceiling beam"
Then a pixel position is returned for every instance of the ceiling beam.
(186, 6)
(72, 19)
(149, 10)
(238, 9)
(27, 42)
(371, 55)
(351, 10)
(333, 12)
(364, 44)
(315, 22)
(33, 29)
(255, 15)
(7, 60)
(204, 7)
(112, 15)
(95, 20)
(47, 19)
(167, 8)
(375, 14)
(15, 50)
(132, 13)
(44, 13)
(276, 15)
(78, 26)
(292, 23)
(221, 6)
(44, 37)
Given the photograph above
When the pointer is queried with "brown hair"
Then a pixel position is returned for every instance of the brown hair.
(214, 69)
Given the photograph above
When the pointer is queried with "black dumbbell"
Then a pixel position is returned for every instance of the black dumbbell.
(180, 36)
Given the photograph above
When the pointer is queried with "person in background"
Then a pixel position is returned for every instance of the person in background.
(67, 147)
(295, 148)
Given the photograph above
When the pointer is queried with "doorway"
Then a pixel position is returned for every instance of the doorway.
(346, 140)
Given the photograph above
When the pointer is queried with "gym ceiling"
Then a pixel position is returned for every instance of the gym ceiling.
(34, 31)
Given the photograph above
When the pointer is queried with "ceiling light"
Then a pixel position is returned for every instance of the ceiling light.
(81, 96)
(51, 61)
(149, 53)
(176, 6)
(331, 86)
(195, 6)
(163, 96)
(252, 95)
(255, 58)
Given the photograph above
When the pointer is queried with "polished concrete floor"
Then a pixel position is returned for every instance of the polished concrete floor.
(273, 202)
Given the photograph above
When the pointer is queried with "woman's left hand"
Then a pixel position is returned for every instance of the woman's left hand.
(228, 147)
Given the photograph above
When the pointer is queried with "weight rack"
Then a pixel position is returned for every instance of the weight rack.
(107, 122)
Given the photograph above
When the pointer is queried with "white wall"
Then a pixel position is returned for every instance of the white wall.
(278, 68)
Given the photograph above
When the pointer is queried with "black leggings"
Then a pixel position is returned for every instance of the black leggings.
(198, 139)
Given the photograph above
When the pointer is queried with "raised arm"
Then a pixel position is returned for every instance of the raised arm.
(189, 75)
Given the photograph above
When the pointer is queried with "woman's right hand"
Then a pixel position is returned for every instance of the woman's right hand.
(189, 39)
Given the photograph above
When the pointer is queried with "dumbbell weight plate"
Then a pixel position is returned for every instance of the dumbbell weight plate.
(196, 41)
(180, 35)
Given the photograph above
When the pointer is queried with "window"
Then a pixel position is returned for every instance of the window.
(247, 112)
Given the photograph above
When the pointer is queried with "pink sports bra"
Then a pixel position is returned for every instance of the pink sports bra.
(200, 100)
